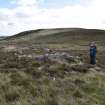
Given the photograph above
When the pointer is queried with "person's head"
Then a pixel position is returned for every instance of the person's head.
(92, 44)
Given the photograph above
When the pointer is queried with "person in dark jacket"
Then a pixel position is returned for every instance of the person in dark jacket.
(93, 51)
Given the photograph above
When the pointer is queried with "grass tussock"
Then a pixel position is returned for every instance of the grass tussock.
(26, 81)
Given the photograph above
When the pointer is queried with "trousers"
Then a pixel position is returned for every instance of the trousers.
(93, 59)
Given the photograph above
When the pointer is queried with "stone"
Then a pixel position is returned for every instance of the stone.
(97, 68)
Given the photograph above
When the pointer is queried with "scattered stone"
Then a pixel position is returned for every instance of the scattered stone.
(97, 68)
(41, 68)
(41, 58)
(91, 69)
(10, 48)
(54, 78)
(56, 56)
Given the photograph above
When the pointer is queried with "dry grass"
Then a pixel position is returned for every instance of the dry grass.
(23, 83)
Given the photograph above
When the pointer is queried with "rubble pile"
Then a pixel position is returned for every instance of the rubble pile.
(56, 56)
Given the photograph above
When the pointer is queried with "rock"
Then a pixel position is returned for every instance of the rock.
(54, 78)
(91, 69)
(41, 68)
(97, 68)
(47, 50)
(41, 58)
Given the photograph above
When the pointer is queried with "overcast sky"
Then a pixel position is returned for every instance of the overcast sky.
(21, 15)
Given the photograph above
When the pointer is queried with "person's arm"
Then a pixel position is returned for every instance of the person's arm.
(96, 49)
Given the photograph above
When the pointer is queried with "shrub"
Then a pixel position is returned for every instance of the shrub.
(77, 93)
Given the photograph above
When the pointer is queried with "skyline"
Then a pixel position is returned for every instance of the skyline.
(21, 15)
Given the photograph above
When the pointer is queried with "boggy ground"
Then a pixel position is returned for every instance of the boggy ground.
(27, 81)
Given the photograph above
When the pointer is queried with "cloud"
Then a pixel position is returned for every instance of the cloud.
(25, 2)
(29, 15)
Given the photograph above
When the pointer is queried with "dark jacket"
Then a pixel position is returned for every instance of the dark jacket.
(93, 50)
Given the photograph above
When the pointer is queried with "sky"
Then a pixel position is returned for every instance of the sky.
(21, 15)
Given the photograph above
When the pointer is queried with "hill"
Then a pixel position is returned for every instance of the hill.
(2, 37)
(59, 36)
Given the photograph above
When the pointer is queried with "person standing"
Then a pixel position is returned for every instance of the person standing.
(93, 51)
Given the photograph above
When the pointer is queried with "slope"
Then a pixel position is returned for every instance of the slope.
(60, 35)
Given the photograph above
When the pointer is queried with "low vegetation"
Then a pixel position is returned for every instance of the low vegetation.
(51, 67)
(29, 81)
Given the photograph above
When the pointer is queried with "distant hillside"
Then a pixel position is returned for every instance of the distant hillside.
(59, 35)
(2, 37)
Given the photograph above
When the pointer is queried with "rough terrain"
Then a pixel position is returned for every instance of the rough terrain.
(51, 74)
